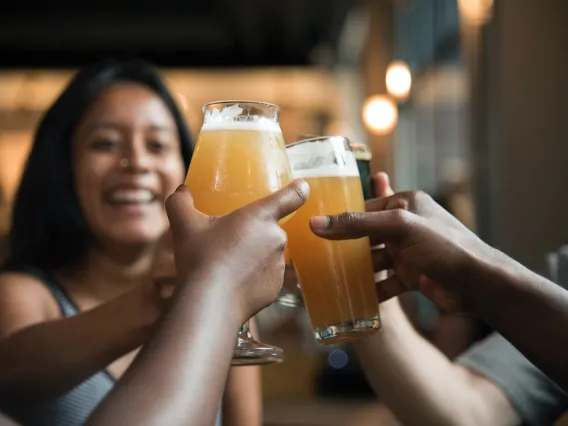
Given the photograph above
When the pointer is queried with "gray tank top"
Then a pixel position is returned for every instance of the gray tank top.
(74, 407)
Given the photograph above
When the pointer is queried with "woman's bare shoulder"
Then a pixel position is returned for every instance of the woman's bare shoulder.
(24, 300)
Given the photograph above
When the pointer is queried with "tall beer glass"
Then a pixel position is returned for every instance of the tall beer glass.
(336, 277)
(240, 157)
(291, 297)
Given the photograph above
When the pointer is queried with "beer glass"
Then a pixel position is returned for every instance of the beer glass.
(240, 157)
(336, 277)
(292, 297)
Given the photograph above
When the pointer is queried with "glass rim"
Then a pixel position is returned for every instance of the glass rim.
(241, 101)
(320, 138)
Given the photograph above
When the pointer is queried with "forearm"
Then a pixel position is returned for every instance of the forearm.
(242, 402)
(48, 359)
(417, 382)
(178, 377)
(529, 311)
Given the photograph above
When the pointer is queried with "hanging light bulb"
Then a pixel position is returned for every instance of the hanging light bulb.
(399, 80)
(476, 12)
(380, 114)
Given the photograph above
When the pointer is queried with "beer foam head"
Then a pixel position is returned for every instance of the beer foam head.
(228, 119)
(329, 157)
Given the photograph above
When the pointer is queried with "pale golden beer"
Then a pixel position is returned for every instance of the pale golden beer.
(240, 157)
(231, 168)
(336, 277)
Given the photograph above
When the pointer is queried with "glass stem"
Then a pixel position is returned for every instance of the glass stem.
(244, 332)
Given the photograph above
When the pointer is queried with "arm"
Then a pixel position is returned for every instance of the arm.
(403, 368)
(242, 402)
(453, 334)
(235, 265)
(48, 356)
(187, 382)
(430, 251)
(527, 309)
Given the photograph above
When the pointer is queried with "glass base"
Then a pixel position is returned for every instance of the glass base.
(250, 352)
(347, 331)
(256, 353)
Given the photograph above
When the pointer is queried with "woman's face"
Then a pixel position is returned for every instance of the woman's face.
(127, 160)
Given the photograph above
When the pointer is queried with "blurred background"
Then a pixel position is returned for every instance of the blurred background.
(465, 99)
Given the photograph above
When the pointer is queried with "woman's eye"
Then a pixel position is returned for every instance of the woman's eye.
(104, 144)
(157, 146)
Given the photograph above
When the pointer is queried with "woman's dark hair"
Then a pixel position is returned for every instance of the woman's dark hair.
(48, 229)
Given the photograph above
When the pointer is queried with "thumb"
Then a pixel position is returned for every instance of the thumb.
(181, 210)
(381, 184)
(281, 203)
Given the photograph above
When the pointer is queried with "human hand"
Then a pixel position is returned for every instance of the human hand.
(243, 250)
(428, 249)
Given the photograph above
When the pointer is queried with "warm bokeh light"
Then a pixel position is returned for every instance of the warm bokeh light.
(380, 114)
(182, 101)
(399, 80)
(475, 12)
(14, 149)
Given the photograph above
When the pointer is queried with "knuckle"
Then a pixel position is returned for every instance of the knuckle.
(420, 196)
(409, 200)
(411, 196)
(399, 203)
(401, 217)
(347, 219)
(280, 238)
(300, 193)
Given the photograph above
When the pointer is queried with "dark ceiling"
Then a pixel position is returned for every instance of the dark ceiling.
(174, 33)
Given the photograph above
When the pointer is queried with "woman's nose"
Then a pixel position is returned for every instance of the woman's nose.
(136, 159)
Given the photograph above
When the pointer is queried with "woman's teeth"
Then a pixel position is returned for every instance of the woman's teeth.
(131, 196)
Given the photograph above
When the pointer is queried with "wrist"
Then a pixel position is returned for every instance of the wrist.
(212, 289)
(488, 281)
(136, 311)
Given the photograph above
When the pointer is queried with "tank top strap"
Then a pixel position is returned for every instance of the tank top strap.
(66, 305)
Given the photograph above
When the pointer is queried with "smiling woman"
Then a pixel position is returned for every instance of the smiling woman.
(49, 209)
(126, 162)
(81, 285)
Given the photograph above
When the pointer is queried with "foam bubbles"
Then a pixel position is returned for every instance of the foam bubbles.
(228, 119)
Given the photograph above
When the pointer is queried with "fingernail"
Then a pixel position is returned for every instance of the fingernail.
(320, 221)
